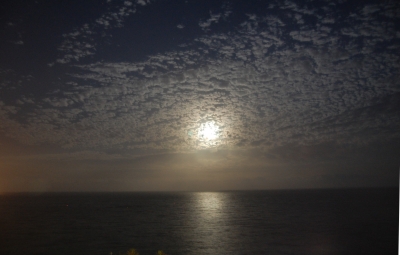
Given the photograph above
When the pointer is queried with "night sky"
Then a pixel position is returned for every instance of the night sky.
(163, 95)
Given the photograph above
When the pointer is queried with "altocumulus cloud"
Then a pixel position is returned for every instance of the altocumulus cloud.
(278, 85)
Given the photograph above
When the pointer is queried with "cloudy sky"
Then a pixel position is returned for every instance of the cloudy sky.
(151, 95)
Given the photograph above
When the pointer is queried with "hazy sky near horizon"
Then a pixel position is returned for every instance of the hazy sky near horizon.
(152, 95)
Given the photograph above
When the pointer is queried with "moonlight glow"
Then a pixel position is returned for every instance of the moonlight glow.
(208, 131)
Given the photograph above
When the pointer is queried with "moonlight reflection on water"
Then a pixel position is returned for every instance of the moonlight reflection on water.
(210, 202)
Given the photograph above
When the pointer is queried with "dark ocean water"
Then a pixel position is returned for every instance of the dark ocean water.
(356, 221)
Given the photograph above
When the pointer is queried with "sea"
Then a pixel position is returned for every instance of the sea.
(325, 221)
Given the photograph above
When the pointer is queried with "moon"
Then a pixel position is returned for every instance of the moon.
(208, 131)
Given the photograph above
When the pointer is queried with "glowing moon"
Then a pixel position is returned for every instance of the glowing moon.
(208, 131)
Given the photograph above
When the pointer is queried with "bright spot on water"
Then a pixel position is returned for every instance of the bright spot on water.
(210, 204)
(208, 130)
